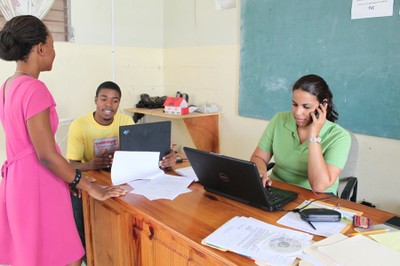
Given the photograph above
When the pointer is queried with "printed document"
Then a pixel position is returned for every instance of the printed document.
(258, 240)
(140, 170)
(133, 165)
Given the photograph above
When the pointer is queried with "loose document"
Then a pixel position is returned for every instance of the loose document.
(258, 240)
(140, 170)
(341, 250)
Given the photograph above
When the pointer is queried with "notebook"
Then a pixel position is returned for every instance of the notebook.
(155, 136)
(236, 179)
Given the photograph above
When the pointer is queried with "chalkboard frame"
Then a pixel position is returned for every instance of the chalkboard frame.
(360, 60)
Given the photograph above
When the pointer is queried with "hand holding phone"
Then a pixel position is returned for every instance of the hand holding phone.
(316, 113)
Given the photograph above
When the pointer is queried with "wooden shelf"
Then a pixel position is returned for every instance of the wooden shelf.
(203, 127)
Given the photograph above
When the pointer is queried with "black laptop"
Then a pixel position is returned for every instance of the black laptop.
(236, 179)
(155, 136)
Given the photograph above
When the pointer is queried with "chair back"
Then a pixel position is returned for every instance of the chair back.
(348, 181)
(351, 163)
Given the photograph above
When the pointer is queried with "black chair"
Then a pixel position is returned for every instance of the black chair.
(348, 183)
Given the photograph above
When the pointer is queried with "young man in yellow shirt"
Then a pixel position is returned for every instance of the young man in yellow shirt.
(94, 137)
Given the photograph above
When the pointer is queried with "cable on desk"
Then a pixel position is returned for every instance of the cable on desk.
(299, 209)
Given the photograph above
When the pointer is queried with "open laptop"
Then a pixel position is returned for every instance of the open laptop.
(155, 136)
(236, 179)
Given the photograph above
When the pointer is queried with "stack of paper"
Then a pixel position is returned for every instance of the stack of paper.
(140, 170)
(390, 239)
(341, 250)
(260, 241)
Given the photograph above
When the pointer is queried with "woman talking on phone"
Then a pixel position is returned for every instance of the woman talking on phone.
(309, 149)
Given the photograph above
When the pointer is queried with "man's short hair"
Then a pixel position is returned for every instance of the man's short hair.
(109, 85)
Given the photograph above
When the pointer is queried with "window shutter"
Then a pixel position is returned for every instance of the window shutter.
(56, 20)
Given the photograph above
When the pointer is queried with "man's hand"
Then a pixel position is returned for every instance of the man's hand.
(102, 160)
(168, 160)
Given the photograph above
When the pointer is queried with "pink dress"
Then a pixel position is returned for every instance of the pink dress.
(36, 220)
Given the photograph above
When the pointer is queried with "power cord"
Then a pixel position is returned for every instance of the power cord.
(305, 206)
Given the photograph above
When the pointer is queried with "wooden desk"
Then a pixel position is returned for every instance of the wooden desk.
(203, 128)
(132, 230)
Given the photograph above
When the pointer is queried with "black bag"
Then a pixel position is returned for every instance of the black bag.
(151, 102)
(148, 102)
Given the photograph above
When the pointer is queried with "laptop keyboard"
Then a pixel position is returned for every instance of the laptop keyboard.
(271, 196)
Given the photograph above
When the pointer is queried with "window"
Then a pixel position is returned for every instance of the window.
(57, 20)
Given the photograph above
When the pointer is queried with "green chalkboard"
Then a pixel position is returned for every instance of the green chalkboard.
(360, 60)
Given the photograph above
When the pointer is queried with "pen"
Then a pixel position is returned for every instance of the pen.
(312, 225)
(369, 232)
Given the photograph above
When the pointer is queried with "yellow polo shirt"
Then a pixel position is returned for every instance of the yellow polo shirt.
(86, 137)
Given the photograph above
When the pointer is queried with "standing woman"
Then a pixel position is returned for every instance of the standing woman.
(36, 221)
(309, 149)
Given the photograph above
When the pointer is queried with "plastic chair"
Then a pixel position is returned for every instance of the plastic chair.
(348, 183)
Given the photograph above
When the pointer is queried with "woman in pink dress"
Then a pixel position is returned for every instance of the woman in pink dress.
(36, 221)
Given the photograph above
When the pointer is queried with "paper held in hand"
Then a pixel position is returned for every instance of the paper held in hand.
(131, 165)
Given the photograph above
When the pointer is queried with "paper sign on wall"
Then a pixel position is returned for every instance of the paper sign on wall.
(371, 9)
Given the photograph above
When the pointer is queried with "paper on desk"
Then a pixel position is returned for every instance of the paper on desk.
(326, 229)
(389, 239)
(260, 241)
(188, 172)
(315, 257)
(360, 250)
(132, 165)
(163, 187)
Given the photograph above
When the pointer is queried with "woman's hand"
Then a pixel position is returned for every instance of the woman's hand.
(266, 180)
(79, 194)
(318, 122)
(260, 158)
(102, 193)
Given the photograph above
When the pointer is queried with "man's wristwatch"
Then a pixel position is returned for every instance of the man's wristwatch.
(313, 139)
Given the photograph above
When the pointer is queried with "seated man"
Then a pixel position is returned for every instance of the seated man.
(93, 138)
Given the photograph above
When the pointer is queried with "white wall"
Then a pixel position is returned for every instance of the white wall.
(81, 66)
(137, 23)
(201, 58)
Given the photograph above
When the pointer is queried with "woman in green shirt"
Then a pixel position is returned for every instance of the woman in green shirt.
(309, 149)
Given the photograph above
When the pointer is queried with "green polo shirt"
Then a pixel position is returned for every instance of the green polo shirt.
(280, 138)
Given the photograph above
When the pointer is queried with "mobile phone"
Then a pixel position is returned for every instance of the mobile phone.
(316, 114)
(393, 222)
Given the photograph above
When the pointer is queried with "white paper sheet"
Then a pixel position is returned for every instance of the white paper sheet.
(260, 241)
(188, 172)
(360, 250)
(371, 8)
(317, 258)
(163, 187)
(132, 165)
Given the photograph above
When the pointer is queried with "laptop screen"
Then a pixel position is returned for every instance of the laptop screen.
(155, 136)
(236, 179)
